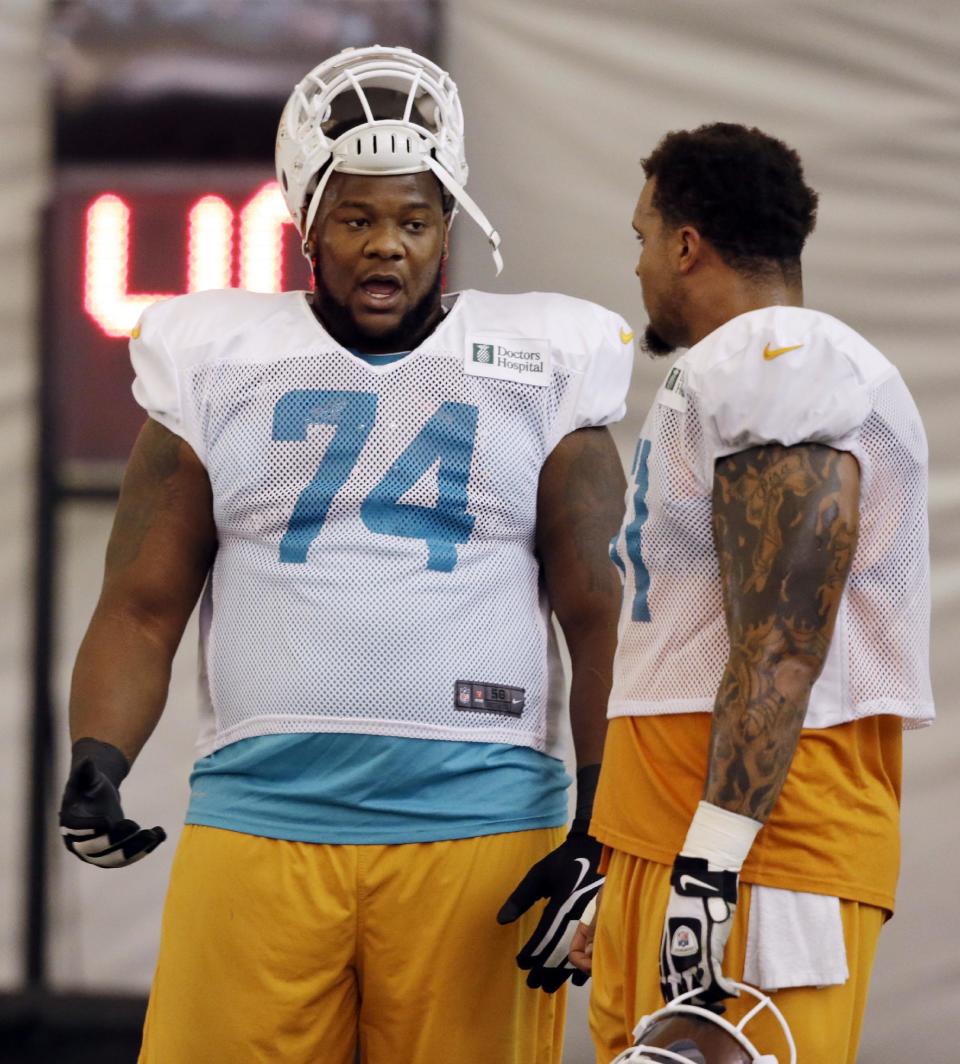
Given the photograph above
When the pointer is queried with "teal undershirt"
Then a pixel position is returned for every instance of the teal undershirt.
(341, 788)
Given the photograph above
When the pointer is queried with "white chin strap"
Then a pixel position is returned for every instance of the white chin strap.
(462, 197)
(359, 154)
(314, 204)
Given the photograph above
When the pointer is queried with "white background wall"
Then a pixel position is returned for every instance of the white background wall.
(23, 134)
(562, 98)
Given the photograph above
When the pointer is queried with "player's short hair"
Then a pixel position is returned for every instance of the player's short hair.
(740, 188)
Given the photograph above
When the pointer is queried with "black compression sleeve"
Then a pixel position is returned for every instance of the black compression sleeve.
(587, 778)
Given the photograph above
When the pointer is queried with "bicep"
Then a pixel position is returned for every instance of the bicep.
(785, 522)
(579, 509)
(163, 538)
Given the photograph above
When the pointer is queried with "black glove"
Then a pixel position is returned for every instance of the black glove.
(567, 877)
(91, 820)
(695, 931)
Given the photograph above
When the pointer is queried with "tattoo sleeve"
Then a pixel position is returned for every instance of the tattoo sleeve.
(785, 527)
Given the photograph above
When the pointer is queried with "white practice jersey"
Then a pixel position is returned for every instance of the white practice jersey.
(376, 569)
(777, 375)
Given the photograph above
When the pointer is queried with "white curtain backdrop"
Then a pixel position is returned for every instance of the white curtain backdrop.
(23, 132)
(562, 98)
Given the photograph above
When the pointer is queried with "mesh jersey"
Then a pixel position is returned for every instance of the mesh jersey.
(785, 375)
(375, 570)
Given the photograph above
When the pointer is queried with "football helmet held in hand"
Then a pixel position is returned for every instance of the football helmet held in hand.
(683, 1033)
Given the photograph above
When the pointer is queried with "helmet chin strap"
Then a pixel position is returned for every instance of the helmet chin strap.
(313, 207)
(458, 192)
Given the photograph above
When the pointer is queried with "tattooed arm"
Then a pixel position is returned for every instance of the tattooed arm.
(785, 522)
(579, 509)
(785, 529)
(161, 547)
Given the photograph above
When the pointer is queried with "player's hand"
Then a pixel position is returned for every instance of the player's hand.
(581, 948)
(91, 819)
(696, 927)
(568, 878)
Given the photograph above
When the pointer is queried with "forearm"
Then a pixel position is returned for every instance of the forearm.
(757, 719)
(120, 681)
(785, 526)
(592, 645)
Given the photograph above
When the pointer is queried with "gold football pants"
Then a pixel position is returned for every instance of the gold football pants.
(297, 953)
(825, 1022)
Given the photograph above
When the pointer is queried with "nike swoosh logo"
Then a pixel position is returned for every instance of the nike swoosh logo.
(579, 889)
(626, 335)
(770, 353)
(686, 881)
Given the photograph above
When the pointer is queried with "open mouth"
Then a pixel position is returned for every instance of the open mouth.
(381, 291)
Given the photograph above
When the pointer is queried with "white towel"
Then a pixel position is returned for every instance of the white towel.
(794, 939)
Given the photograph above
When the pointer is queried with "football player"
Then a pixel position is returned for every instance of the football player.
(775, 624)
(382, 498)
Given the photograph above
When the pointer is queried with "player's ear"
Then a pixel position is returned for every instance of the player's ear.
(689, 248)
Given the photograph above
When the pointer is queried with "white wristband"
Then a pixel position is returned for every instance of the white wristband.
(720, 837)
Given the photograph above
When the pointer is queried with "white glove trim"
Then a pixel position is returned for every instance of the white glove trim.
(567, 906)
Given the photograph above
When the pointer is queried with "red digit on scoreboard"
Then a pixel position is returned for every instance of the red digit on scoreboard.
(211, 253)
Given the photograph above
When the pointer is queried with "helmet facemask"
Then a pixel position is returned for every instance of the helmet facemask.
(684, 1033)
(377, 112)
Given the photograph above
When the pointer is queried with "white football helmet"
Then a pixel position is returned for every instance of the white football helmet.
(373, 111)
(682, 1033)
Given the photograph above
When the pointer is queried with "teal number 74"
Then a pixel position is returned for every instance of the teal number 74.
(449, 435)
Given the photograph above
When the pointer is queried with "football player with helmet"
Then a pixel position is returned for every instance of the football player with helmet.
(382, 497)
(775, 622)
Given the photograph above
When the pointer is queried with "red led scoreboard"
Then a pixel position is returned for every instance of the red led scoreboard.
(118, 241)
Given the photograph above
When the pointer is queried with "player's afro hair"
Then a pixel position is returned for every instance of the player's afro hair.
(740, 188)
